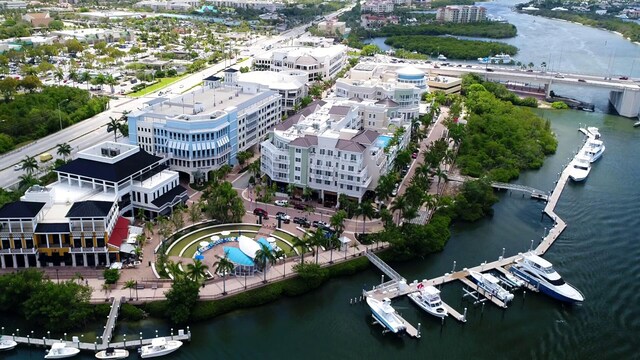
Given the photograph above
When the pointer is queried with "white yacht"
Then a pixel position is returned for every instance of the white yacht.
(540, 273)
(593, 149)
(428, 298)
(7, 344)
(111, 353)
(491, 284)
(61, 351)
(442, 57)
(579, 168)
(159, 347)
(386, 315)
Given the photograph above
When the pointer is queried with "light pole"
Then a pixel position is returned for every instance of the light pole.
(60, 113)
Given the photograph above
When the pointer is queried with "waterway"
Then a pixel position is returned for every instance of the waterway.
(597, 253)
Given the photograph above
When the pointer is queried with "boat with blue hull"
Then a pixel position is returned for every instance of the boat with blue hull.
(540, 273)
(386, 315)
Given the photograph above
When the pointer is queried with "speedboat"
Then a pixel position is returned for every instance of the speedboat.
(7, 344)
(491, 285)
(428, 298)
(594, 132)
(579, 168)
(386, 315)
(593, 149)
(442, 57)
(540, 273)
(159, 347)
(111, 353)
(61, 351)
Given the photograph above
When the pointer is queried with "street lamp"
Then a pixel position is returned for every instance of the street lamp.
(59, 113)
(57, 276)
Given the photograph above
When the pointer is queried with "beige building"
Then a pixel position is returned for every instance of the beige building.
(461, 14)
(37, 19)
(331, 27)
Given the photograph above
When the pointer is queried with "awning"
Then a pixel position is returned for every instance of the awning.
(127, 248)
(345, 240)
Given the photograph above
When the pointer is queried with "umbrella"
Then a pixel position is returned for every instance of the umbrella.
(225, 233)
(199, 257)
(271, 239)
(203, 243)
(215, 238)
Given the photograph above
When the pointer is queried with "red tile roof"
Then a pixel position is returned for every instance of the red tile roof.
(120, 232)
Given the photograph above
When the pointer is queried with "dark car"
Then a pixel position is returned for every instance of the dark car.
(261, 212)
(298, 206)
(582, 80)
(489, 70)
(624, 78)
(299, 220)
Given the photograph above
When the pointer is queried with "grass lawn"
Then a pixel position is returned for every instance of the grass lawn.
(177, 248)
(164, 82)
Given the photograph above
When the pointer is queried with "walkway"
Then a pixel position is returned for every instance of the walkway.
(388, 270)
(111, 321)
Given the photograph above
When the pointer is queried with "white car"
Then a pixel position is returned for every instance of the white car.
(282, 202)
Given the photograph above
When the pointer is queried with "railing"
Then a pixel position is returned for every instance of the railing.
(88, 249)
(19, 251)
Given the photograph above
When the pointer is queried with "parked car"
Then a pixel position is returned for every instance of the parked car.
(299, 206)
(261, 212)
(282, 202)
(414, 155)
(489, 69)
(624, 78)
(319, 224)
(582, 80)
(559, 76)
(284, 217)
(299, 220)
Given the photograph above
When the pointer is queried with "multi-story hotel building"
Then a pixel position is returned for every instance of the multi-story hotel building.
(319, 63)
(461, 14)
(80, 219)
(332, 147)
(404, 86)
(291, 85)
(204, 129)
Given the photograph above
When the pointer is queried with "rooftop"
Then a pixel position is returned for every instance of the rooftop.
(21, 209)
(273, 79)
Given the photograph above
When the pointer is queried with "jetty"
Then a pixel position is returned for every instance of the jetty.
(183, 335)
(534, 193)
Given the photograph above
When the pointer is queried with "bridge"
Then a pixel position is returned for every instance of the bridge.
(535, 193)
(624, 95)
(386, 269)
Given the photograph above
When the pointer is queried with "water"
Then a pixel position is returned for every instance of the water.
(597, 253)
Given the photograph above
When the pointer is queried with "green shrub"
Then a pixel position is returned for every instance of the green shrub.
(111, 276)
(130, 312)
(559, 105)
(101, 311)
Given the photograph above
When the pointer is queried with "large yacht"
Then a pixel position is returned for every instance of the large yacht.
(593, 149)
(428, 298)
(579, 167)
(540, 273)
(491, 285)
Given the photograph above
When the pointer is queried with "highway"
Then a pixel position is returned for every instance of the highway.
(93, 130)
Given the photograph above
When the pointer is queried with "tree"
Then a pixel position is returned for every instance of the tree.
(29, 164)
(223, 203)
(59, 307)
(301, 243)
(317, 239)
(366, 210)
(181, 299)
(370, 50)
(59, 75)
(64, 150)
(243, 156)
(111, 276)
(30, 83)
(337, 221)
(85, 77)
(115, 125)
(111, 81)
(306, 193)
(224, 267)
(130, 284)
(385, 186)
(195, 212)
(401, 205)
(176, 217)
(8, 87)
(174, 269)
(265, 257)
(196, 271)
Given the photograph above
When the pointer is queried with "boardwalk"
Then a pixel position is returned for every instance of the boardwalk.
(386, 269)
(44, 342)
(111, 321)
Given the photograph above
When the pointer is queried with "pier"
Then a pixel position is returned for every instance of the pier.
(535, 193)
(111, 321)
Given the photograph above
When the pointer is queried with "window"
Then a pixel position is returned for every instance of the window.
(327, 163)
(321, 151)
(327, 182)
(350, 168)
(353, 157)
(298, 160)
(297, 168)
(298, 151)
(297, 178)
(330, 152)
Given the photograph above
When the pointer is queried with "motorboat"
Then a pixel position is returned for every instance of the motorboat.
(61, 351)
(491, 285)
(442, 57)
(594, 132)
(111, 353)
(498, 59)
(636, 124)
(540, 273)
(579, 168)
(7, 344)
(159, 347)
(386, 315)
(593, 149)
(428, 298)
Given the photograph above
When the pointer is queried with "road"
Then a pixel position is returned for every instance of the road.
(93, 130)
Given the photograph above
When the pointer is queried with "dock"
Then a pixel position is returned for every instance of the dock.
(525, 284)
(111, 321)
(483, 292)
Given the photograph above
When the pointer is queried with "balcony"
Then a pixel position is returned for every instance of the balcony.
(19, 251)
(89, 250)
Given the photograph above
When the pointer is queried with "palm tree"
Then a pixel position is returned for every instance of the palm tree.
(365, 209)
(317, 240)
(195, 212)
(400, 204)
(30, 164)
(224, 267)
(173, 268)
(130, 284)
(331, 242)
(138, 252)
(337, 221)
(254, 168)
(291, 188)
(302, 244)
(64, 150)
(114, 125)
(306, 193)
(59, 75)
(196, 271)
(265, 257)
(148, 225)
(441, 174)
(26, 181)
(85, 77)
(109, 80)
(73, 76)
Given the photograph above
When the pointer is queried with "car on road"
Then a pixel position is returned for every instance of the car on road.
(299, 220)
(17, 167)
(559, 76)
(284, 217)
(489, 69)
(414, 155)
(623, 78)
(319, 224)
(261, 212)
(298, 206)
(282, 202)
(582, 80)
(529, 70)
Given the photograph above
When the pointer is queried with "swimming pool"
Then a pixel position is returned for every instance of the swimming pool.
(383, 141)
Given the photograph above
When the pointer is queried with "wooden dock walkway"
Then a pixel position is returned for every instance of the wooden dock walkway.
(411, 330)
(111, 321)
(483, 292)
(454, 313)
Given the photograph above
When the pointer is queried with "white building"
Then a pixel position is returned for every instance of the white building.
(13, 5)
(318, 63)
(175, 5)
(204, 129)
(79, 220)
(378, 6)
(92, 35)
(265, 5)
(461, 14)
(291, 85)
(370, 81)
(329, 147)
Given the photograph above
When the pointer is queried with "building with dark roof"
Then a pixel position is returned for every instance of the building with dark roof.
(80, 219)
(332, 147)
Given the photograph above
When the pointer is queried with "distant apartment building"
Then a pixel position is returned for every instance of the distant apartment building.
(369, 81)
(318, 63)
(37, 19)
(331, 147)
(377, 6)
(81, 219)
(174, 5)
(264, 5)
(369, 21)
(13, 5)
(461, 14)
(332, 27)
(93, 35)
(204, 129)
(422, 3)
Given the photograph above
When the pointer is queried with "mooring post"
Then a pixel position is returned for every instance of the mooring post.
(502, 256)
(125, 341)
(419, 325)
(382, 279)
(464, 315)
(454, 267)
(141, 338)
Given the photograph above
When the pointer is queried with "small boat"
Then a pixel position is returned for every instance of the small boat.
(594, 132)
(579, 168)
(491, 284)
(386, 315)
(61, 351)
(7, 344)
(442, 57)
(428, 298)
(159, 347)
(636, 124)
(111, 353)
(540, 273)
(593, 149)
